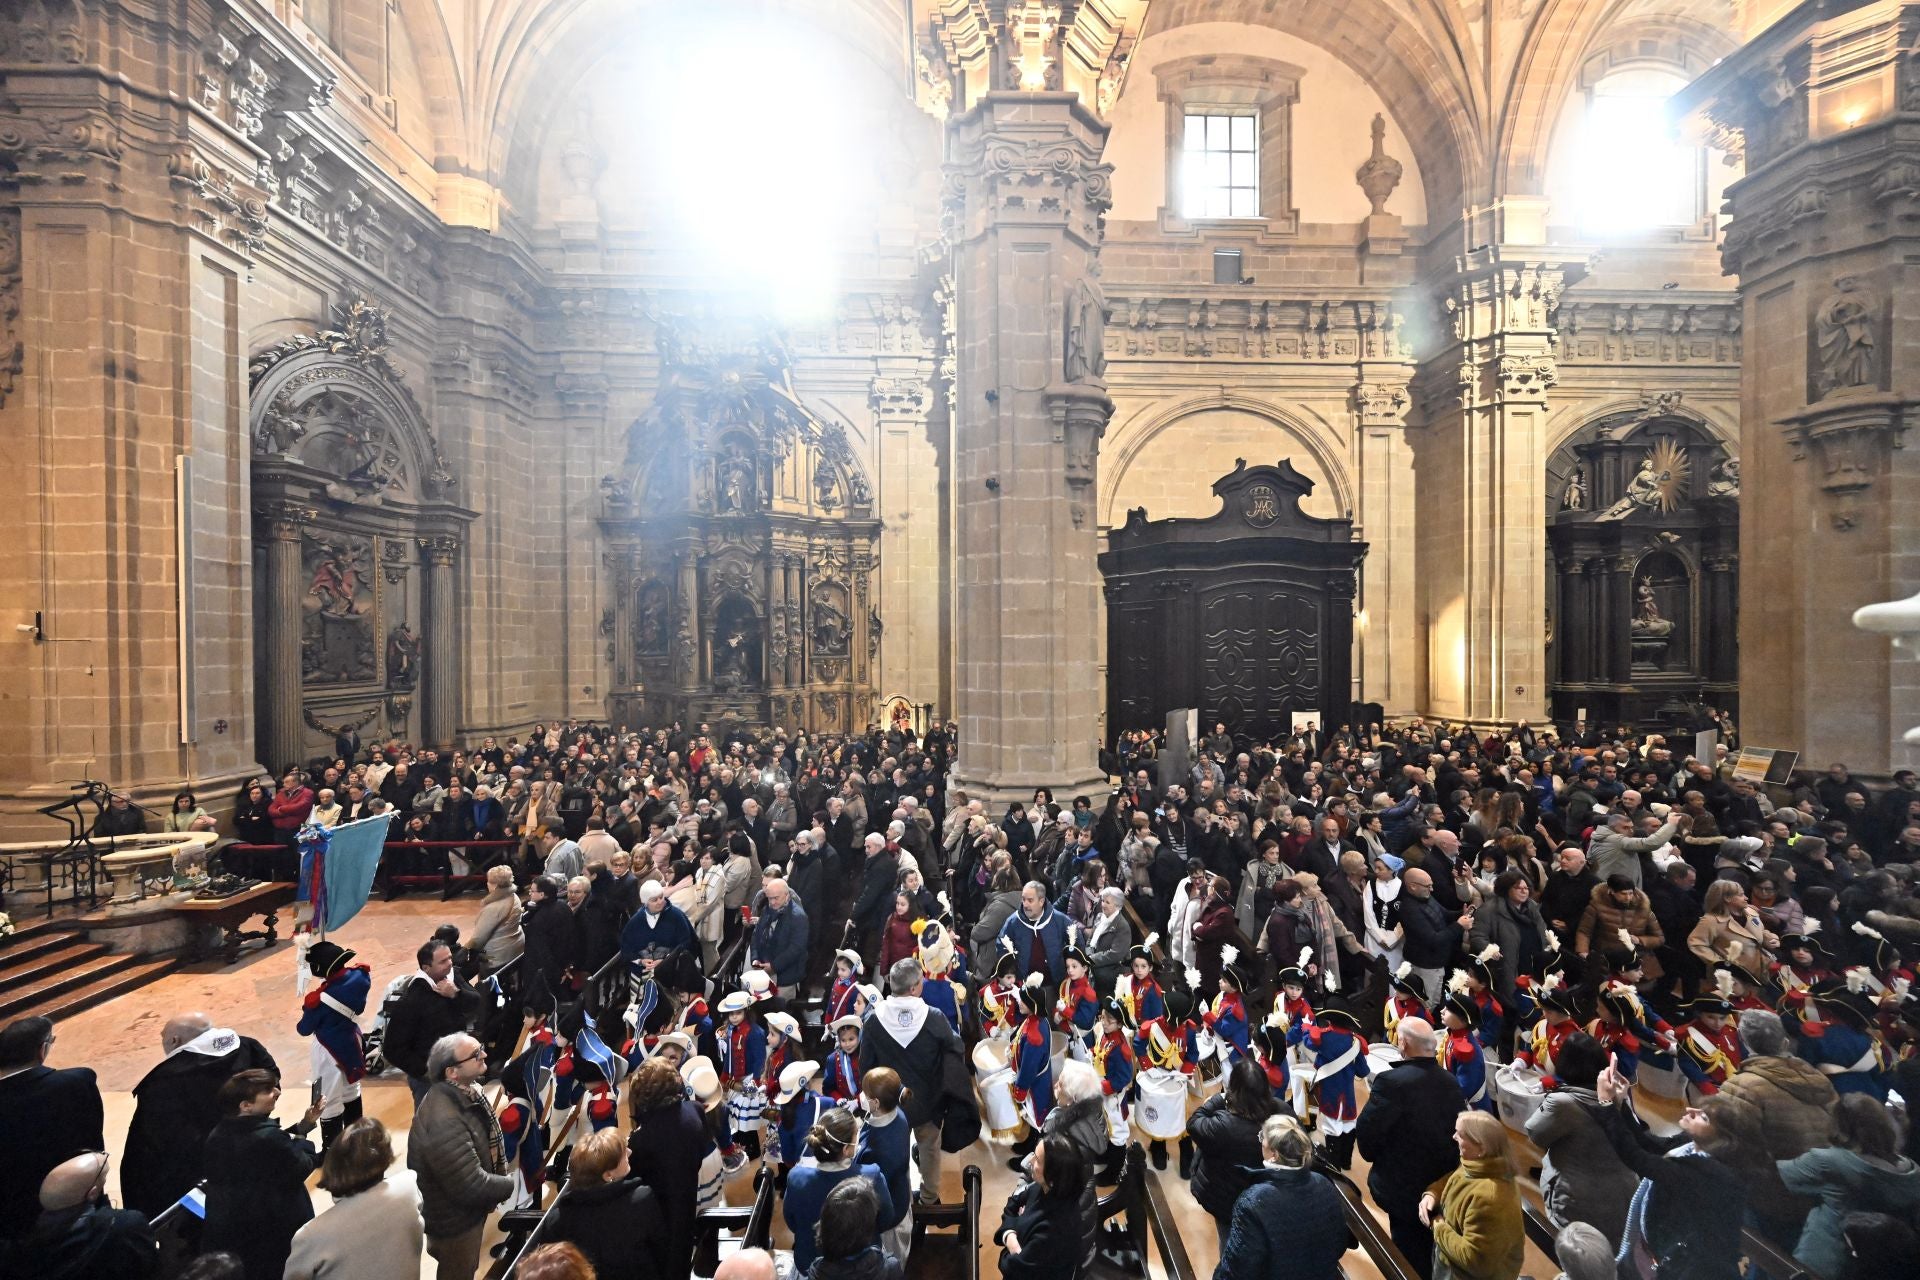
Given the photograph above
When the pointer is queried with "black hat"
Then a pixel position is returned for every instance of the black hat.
(1469, 1011)
(1230, 970)
(1742, 973)
(1406, 984)
(1295, 973)
(1143, 950)
(1111, 1008)
(1811, 941)
(1480, 965)
(1032, 997)
(1561, 999)
(1337, 1019)
(324, 959)
(1708, 1004)
(1272, 1041)
(1622, 1001)
(1007, 966)
(1076, 953)
(1883, 956)
(1849, 1006)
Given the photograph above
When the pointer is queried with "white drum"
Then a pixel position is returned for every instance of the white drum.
(1382, 1058)
(1161, 1111)
(1661, 1081)
(993, 1079)
(1517, 1094)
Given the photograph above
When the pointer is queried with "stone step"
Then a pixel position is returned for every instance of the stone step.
(21, 999)
(45, 958)
(28, 946)
(117, 982)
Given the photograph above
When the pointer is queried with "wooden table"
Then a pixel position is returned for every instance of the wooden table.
(227, 915)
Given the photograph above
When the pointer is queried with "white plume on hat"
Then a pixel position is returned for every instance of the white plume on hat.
(1153, 940)
(1626, 939)
(1406, 968)
(1073, 934)
(1553, 981)
(1489, 953)
(1306, 957)
(1192, 976)
(1865, 930)
(1006, 944)
(1229, 954)
(1457, 984)
(941, 898)
(1723, 983)
(1812, 927)
(1901, 986)
(1550, 940)
(1857, 979)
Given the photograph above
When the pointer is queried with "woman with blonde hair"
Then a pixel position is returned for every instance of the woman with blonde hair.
(496, 936)
(1287, 1211)
(1479, 1232)
(1730, 929)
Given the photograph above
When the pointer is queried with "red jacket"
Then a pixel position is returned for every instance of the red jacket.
(897, 943)
(290, 808)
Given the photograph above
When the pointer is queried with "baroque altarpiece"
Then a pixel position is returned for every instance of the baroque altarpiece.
(741, 535)
(1643, 557)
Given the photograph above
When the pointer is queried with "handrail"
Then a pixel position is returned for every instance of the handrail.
(754, 1222)
(173, 1229)
(1166, 1233)
(1374, 1240)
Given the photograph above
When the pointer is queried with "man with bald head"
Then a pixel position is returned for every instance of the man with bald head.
(780, 938)
(1406, 1131)
(79, 1236)
(1432, 933)
(174, 1109)
(748, 1264)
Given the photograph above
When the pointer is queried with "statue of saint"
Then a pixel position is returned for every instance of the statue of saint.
(1646, 612)
(1845, 329)
(1724, 480)
(403, 657)
(736, 481)
(1574, 496)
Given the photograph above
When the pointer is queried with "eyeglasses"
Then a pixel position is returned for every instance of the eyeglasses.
(475, 1056)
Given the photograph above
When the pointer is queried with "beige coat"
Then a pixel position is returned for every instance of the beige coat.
(375, 1235)
(1745, 941)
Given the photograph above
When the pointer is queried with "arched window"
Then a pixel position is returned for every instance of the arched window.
(1631, 171)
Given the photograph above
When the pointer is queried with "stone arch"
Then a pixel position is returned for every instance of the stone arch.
(1565, 427)
(1564, 34)
(1312, 435)
(1625, 418)
(1430, 95)
(439, 66)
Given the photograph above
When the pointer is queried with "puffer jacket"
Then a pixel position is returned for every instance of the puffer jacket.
(1793, 1105)
(1228, 1148)
(1601, 924)
(1085, 1124)
(1846, 1182)
(1478, 1228)
(455, 1148)
(1289, 1224)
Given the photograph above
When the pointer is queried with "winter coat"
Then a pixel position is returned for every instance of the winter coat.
(807, 1188)
(1695, 1203)
(618, 1225)
(1085, 1125)
(1503, 924)
(1050, 1234)
(1478, 1227)
(422, 1016)
(175, 1111)
(1846, 1182)
(1611, 853)
(456, 1148)
(993, 918)
(1582, 1177)
(868, 1264)
(256, 1192)
(1289, 1224)
(496, 930)
(372, 1235)
(1256, 887)
(1601, 924)
(1794, 1104)
(667, 1145)
(906, 1034)
(1714, 938)
(1226, 1148)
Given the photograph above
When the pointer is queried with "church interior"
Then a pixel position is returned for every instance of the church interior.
(794, 456)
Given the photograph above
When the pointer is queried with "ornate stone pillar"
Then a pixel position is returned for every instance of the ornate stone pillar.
(280, 702)
(686, 612)
(1026, 193)
(1616, 628)
(1386, 629)
(913, 577)
(1723, 650)
(796, 619)
(1482, 560)
(439, 683)
(1820, 105)
(779, 604)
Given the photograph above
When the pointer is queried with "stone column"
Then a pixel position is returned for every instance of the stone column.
(1386, 631)
(1483, 476)
(1571, 627)
(1616, 627)
(439, 683)
(1723, 656)
(796, 619)
(778, 606)
(1821, 236)
(1026, 192)
(281, 732)
(910, 585)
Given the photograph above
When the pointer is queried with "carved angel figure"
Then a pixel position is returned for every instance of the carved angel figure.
(1844, 328)
(1574, 496)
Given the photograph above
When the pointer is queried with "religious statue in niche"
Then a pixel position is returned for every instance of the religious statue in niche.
(826, 485)
(1651, 631)
(1085, 357)
(736, 646)
(1574, 496)
(1646, 612)
(336, 634)
(734, 490)
(403, 657)
(830, 626)
(1724, 480)
(1846, 339)
(1658, 485)
(650, 617)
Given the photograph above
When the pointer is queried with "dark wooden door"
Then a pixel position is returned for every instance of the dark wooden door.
(1259, 649)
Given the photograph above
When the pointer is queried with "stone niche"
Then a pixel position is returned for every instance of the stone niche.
(357, 526)
(740, 534)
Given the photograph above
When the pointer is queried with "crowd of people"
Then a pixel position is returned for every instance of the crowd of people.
(1418, 944)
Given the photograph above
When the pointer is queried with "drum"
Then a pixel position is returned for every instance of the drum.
(1661, 1077)
(1517, 1094)
(993, 1078)
(1382, 1058)
(1161, 1112)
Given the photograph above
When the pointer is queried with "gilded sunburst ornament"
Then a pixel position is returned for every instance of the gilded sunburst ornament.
(1669, 474)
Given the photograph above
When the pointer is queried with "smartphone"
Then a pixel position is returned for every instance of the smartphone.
(314, 1094)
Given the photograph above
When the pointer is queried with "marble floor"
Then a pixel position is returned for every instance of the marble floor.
(120, 1040)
